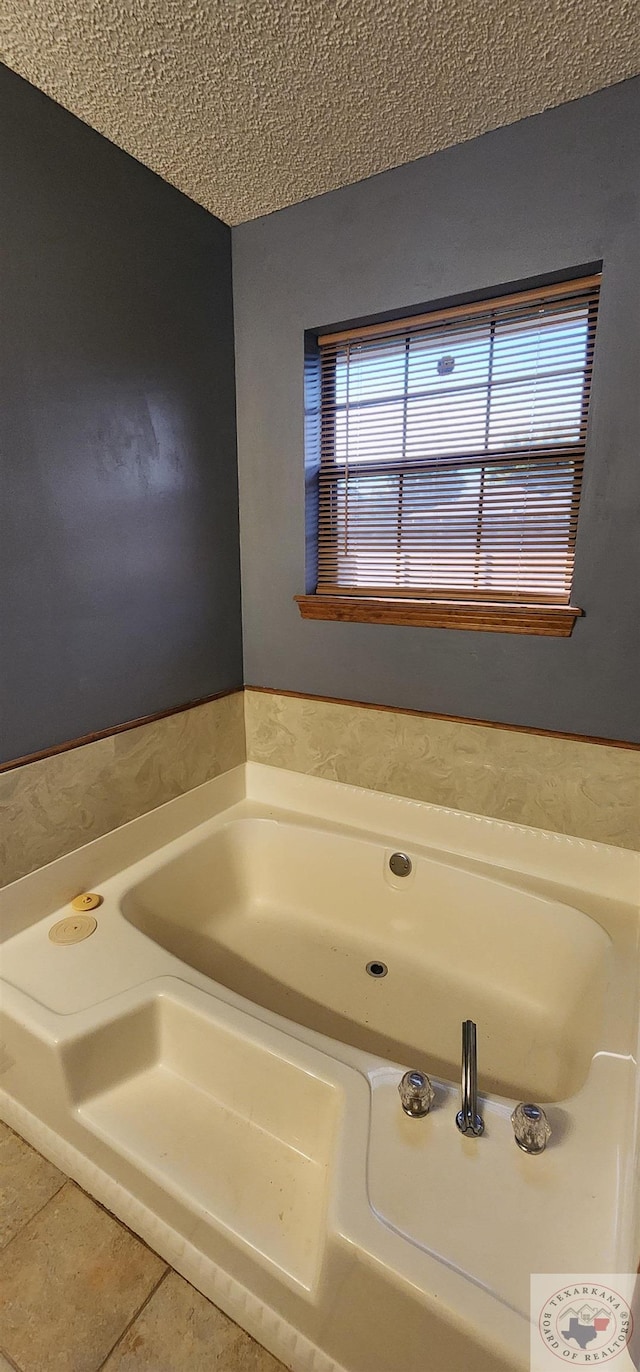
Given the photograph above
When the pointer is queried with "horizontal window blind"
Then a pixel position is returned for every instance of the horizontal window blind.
(452, 448)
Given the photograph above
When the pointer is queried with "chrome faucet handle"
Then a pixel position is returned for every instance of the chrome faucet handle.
(416, 1094)
(467, 1119)
(531, 1127)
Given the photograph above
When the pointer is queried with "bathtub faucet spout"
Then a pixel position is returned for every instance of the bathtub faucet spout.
(467, 1119)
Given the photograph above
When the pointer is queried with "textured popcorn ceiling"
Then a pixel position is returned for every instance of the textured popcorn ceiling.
(249, 105)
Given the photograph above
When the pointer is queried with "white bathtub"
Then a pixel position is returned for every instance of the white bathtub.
(217, 1066)
(290, 914)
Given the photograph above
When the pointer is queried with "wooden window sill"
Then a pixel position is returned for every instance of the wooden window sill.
(554, 621)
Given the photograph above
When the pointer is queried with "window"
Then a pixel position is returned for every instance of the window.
(451, 454)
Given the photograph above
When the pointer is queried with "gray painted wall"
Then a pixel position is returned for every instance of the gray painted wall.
(550, 193)
(119, 561)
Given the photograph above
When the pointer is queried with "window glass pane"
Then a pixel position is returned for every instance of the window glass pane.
(446, 424)
(522, 350)
(440, 529)
(374, 373)
(362, 554)
(537, 375)
(526, 516)
(371, 433)
(528, 412)
(449, 362)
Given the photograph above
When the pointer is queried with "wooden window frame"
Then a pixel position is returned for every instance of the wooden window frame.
(469, 610)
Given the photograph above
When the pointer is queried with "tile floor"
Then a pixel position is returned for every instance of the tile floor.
(79, 1292)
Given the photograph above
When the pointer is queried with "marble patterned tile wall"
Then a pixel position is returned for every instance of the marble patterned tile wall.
(588, 790)
(53, 806)
(50, 807)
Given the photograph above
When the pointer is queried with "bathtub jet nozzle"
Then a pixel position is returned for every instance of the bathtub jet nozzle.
(400, 864)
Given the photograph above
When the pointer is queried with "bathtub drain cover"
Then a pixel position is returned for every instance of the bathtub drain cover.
(377, 969)
(73, 929)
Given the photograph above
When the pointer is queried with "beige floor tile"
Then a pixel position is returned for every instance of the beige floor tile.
(180, 1331)
(6, 1366)
(27, 1182)
(70, 1283)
